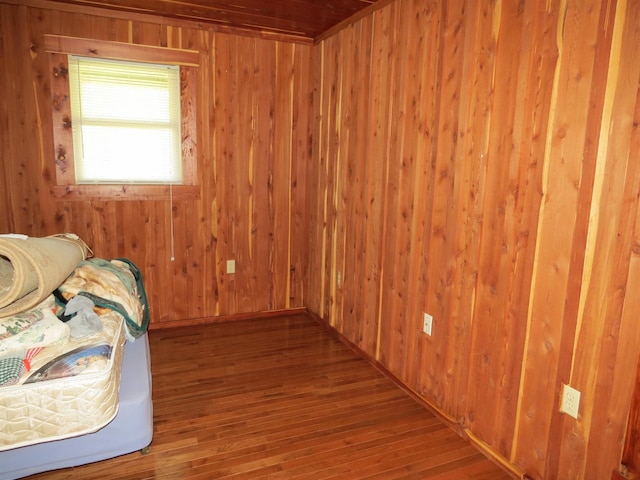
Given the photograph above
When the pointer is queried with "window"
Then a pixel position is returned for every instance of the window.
(123, 119)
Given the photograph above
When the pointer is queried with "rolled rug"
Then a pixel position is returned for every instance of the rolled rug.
(33, 267)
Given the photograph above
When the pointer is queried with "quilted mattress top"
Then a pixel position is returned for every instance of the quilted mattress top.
(61, 378)
(57, 405)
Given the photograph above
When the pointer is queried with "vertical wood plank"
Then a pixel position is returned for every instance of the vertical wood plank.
(204, 238)
(194, 241)
(387, 329)
(342, 193)
(301, 158)
(314, 283)
(263, 167)
(223, 157)
(329, 169)
(281, 174)
(368, 267)
(381, 44)
(627, 354)
(357, 314)
(243, 176)
(6, 168)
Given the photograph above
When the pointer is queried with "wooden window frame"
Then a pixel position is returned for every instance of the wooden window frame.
(59, 47)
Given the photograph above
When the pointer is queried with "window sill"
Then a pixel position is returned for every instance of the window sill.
(125, 192)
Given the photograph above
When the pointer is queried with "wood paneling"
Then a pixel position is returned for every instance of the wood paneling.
(253, 124)
(503, 138)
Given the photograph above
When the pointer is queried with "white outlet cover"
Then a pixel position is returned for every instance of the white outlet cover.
(427, 324)
(231, 266)
(570, 401)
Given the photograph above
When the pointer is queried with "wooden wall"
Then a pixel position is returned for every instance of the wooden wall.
(479, 161)
(254, 111)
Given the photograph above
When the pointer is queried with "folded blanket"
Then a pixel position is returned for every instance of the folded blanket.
(112, 285)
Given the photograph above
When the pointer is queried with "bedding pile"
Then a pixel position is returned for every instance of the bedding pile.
(60, 359)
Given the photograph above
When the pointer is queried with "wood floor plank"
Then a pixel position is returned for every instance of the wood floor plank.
(281, 398)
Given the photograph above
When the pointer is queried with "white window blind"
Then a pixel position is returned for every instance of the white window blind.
(126, 121)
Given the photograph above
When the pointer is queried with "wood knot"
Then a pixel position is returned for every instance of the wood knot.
(58, 102)
(562, 132)
(60, 71)
(61, 158)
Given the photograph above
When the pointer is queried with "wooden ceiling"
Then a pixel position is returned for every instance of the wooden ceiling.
(305, 19)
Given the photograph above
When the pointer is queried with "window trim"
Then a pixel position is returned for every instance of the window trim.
(59, 47)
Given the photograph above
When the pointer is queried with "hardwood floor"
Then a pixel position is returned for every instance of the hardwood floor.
(281, 398)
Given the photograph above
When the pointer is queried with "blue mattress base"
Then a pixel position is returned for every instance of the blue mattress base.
(130, 430)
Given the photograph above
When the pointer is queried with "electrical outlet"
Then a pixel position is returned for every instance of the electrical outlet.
(231, 266)
(570, 401)
(427, 324)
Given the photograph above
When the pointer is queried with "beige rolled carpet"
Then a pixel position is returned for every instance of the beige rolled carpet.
(33, 267)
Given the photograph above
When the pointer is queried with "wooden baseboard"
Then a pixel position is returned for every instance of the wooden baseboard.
(226, 318)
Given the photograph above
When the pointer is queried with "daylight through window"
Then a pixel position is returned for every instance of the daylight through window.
(126, 121)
